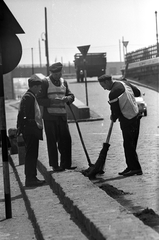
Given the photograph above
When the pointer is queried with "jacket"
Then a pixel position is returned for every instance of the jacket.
(26, 119)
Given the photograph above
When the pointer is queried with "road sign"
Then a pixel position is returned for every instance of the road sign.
(11, 51)
(7, 20)
(84, 50)
(125, 43)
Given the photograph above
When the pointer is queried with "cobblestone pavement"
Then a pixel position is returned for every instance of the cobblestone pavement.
(14, 228)
(97, 214)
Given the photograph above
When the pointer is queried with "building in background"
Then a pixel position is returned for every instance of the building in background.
(15, 82)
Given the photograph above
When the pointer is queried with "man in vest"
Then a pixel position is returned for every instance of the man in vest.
(29, 124)
(53, 97)
(124, 107)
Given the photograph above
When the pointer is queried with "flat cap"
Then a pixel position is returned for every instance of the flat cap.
(56, 67)
(36, 79)
(104, 77)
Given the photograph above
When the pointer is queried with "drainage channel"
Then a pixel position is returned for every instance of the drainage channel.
(147, 216)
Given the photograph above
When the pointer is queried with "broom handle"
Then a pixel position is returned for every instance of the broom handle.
(85, 150)
(109, 132)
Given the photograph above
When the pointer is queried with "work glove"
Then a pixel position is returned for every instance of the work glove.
(113, 118)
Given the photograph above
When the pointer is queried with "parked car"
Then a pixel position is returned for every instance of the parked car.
(142, 105)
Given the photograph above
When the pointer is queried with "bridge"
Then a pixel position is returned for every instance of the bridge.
(25, 71)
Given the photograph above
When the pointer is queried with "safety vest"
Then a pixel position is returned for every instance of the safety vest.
(56, 92)
(127, 102)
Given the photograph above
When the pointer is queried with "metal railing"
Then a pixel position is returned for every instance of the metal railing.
(142, 54)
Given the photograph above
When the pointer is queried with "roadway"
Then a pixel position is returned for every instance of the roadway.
(134, 194)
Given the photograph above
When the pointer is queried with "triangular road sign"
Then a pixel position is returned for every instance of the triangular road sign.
(125, 43)
(7, 20)
(84, 49)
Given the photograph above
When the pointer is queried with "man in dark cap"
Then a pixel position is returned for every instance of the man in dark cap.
(29, 124)
(124, 107)
(54, 95)
(56, 67)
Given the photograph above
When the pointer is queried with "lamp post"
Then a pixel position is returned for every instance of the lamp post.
(125, 44)
(157, 34)
(40, 53)
(43, 38)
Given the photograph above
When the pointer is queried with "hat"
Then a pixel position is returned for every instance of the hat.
(36, 79)
(56, 67)
(104, 77)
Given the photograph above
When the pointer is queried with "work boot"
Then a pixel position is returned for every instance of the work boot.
(34, 182)
(133, 172)
(71, 168)
(58, 169)
(125, 171)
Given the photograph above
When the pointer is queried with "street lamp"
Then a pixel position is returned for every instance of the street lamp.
(43, 38)
(125, 44)
(39, 53)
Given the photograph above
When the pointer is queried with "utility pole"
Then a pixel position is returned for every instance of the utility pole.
(46, 43)
(157, 34)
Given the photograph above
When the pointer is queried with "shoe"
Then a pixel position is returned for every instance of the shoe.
(101, 172)
(58, 169)
(133, 172)
(34, 183)
(123, 172)
(70, 168)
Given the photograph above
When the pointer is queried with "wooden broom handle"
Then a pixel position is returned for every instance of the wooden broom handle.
(109, 132)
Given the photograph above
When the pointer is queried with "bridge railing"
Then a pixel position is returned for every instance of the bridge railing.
(142, 54)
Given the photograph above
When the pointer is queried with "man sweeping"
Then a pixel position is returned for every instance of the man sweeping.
(124, 107)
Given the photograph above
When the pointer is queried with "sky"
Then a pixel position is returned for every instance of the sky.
(102, 24)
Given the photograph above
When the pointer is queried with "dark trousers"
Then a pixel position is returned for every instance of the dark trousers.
(130, 132)
(58, 139)
(32, 147)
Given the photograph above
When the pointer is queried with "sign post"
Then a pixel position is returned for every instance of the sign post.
(84, 50)
(10, 55)
(46, 43)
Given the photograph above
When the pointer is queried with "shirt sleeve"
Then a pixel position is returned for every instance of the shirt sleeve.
(136, 91)
(70, 96)
(115, 92)
(42, 98)
(26, 110)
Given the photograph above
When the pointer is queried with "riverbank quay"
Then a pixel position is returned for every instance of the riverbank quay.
(102, 216)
